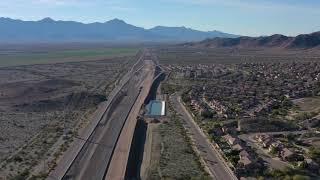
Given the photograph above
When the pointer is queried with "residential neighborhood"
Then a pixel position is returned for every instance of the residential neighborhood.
(257, 114)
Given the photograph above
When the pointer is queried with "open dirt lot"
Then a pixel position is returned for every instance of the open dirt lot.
(40, 103)
(172, 155)
(308, 104)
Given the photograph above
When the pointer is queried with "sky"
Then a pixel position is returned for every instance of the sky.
(242, 17)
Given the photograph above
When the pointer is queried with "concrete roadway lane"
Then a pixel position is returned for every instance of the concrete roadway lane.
(218, 169)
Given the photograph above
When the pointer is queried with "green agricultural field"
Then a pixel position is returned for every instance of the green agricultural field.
(54, 56)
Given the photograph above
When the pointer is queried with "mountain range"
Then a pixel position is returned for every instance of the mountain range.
(116, 30)
(303, 41)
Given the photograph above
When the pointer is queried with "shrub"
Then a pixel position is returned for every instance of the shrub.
(300, 177)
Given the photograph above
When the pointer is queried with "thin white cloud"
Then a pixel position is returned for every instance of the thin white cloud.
(114, 5)
(110, 4)
(50, 2)
(61, 2)
(256, 5)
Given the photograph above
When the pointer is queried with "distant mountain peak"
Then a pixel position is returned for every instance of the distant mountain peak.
(168, 27)
(115, 30)
(5, 18)
(47, 19)
(303, 41)
(116, 21)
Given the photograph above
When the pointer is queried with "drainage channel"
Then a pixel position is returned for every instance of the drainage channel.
(139, 138)
(136, 151)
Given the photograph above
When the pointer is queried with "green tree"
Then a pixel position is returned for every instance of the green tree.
(207, 114)
(314, 153)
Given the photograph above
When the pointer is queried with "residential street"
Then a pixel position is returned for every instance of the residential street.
(213, 161)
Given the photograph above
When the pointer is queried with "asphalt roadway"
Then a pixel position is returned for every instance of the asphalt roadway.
(94, 158)
(105, 109)
(213, 161)
(118, 164)
(91, 154)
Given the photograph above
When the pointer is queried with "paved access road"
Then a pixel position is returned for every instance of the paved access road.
(218, 169)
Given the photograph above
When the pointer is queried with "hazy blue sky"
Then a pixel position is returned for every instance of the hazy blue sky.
(245, 17)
